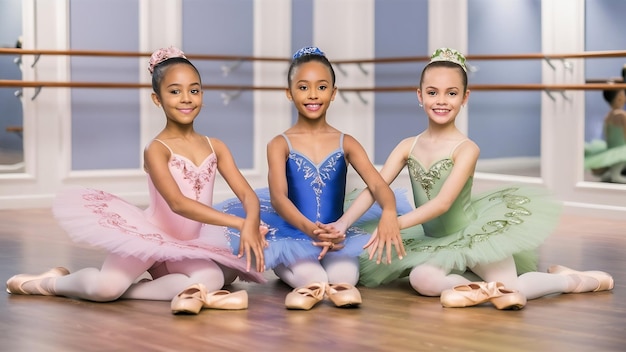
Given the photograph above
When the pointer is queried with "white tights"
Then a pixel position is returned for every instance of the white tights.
(616, 173)
(117, 276)
(431, 281)
(331, 269)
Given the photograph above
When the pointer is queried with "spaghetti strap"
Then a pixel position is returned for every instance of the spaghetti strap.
(288, 141)
(166, 146)
(210, 144)
(413, 145)
(341, 141)
(456, 146)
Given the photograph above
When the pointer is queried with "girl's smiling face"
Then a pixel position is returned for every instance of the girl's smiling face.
(311, 90)
(442, 94)
(180, 94)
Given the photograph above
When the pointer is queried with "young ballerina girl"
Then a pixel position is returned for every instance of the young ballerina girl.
(493, 234)
(607, 158)
(187, 266)
(308, 164)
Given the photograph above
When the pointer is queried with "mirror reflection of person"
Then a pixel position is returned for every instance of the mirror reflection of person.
(607, 158)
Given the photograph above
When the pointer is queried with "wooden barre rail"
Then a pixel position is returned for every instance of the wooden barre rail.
(530, 56)
(484, 87)
(8, 51)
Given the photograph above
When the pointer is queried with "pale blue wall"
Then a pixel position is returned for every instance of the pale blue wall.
(105, 122)
(10, 106)
(505, 124)
(605, 29)
(301, 34)
(401, 29)
(224, 27)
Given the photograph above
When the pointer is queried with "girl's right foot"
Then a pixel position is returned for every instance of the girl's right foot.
(476, 293)
(26, 284)
(585, 281)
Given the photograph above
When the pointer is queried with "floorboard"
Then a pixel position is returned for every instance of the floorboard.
(391, 318)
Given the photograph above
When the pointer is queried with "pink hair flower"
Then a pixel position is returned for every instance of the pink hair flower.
(162, 55)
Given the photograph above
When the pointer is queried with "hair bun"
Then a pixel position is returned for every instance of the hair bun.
(162, 55)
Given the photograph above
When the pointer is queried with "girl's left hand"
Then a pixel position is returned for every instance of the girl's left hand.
(386, 236)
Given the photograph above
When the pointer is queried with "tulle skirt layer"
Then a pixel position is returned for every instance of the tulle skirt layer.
(510, 221)
(287, 244)
(597, 155)
(106, 221)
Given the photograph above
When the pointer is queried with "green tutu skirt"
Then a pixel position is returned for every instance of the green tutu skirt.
(598, 156)
(511, 221)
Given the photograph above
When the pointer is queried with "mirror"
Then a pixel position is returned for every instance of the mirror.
(11, 137)
(603, 20)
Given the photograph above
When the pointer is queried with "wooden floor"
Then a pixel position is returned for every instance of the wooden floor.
(392, 318)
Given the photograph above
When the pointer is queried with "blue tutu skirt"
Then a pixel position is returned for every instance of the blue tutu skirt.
(288, 244)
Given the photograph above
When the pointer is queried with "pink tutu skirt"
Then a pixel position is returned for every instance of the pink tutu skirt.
(106, 221)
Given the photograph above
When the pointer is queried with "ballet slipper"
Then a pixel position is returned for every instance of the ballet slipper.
(343, 295)
(605, 281)
(189, 300)
(15, 284)
(305, 297)
(476, 293)
(223, 299)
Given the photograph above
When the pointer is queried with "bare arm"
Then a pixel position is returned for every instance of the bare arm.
(252, 240)
(391, 169)
(388, 232)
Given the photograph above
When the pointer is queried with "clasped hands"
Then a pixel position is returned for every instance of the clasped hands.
(328, 236)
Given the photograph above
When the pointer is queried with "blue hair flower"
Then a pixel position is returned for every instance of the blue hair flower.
(309, 50)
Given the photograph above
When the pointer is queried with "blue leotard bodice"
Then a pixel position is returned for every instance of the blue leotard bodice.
(318, 191)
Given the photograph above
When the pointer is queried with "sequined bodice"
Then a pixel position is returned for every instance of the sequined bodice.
(195, 182)
(318, 191)
(426, 184)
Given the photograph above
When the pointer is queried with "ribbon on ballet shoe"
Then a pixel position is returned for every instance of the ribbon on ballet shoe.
(343, 295)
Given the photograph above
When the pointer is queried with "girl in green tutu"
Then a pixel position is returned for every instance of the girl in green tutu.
(493, 234)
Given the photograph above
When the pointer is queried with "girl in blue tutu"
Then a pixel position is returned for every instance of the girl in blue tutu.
(308, 166)
(493, 234)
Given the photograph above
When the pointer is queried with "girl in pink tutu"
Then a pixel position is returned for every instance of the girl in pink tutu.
(179, 239)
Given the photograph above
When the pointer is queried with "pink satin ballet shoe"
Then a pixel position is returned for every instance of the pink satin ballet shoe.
(305, 297)
(189, 300)
(480, 292)
(15, 284)
(223, 299)
(343, 295)
(605, 281)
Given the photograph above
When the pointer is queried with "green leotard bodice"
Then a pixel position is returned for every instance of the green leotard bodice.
(427, 183)
(614, 136)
